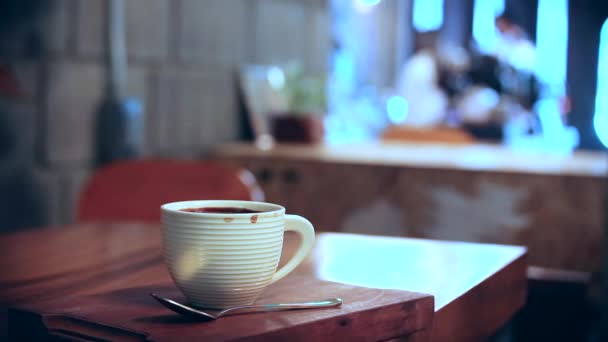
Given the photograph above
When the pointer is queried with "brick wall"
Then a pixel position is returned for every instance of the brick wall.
(182, 55)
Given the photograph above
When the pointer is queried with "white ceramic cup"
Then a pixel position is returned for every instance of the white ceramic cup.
(220, 260)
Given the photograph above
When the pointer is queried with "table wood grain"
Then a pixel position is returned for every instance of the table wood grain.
(392, 287)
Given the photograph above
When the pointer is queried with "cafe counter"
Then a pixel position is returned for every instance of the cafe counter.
(550, 203)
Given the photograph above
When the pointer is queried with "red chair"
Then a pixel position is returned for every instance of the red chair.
(135, 190)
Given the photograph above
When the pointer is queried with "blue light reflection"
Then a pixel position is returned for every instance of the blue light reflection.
(427, 15)
(397, 109)
(600, 120)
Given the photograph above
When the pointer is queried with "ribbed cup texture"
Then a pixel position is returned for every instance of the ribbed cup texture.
(222, 260)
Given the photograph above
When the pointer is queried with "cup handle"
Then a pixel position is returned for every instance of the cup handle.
(304, 228)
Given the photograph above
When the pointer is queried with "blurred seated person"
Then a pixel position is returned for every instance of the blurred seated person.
(448, 86)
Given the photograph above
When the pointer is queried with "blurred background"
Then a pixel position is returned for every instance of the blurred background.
(474, 120)
(182, 77)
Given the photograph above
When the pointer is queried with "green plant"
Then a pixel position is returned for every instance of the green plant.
(304, 94)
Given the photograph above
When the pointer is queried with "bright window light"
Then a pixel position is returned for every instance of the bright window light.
(600, 120)
(369, 2)
(365, 6)
(428, 15)
(484, 29)
(552, 43)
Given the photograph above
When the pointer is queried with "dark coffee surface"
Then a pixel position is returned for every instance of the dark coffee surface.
(222, 210)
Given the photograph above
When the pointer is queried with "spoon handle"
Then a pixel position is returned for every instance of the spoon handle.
(325, 303)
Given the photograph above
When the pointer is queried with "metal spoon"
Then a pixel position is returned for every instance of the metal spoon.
(189, 311)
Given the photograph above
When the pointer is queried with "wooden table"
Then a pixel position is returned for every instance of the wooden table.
(412, 289)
